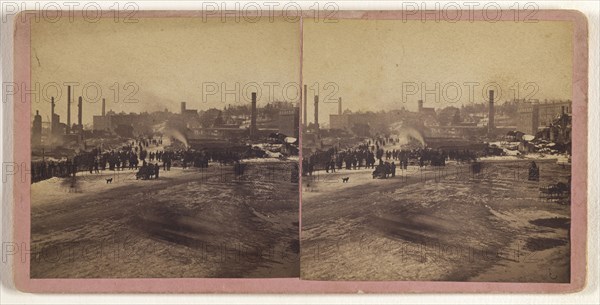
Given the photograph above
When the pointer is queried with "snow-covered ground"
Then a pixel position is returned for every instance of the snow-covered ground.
(271, 160)
(187, 223)
(530, 156)
(436, 224)
(545, 150)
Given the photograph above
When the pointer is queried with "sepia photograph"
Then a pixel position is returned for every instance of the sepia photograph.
(298, 149)
(437, 151)
(165, 148)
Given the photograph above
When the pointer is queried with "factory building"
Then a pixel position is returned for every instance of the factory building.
(535, 115)
(190, 117)
(288, 121)
(121, 123)
(339, 121)
(425, 111)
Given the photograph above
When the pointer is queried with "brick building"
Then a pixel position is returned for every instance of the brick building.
(535, 115)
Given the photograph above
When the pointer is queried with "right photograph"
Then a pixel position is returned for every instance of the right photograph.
(436, 151)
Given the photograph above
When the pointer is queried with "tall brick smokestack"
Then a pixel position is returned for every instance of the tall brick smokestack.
(491, 114)
(305, 110)
(340, 106)
(253, 117)
(52, 123)
(317, 111)
(80, 112)
(68, 109)
(103, 107)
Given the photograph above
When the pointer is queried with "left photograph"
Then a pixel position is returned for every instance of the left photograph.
(165, 148)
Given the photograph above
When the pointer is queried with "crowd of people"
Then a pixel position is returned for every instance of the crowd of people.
(142, 155)
(366, 155)
(46, 170)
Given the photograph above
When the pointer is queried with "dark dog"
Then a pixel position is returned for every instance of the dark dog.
(109, 180)
(346, 179)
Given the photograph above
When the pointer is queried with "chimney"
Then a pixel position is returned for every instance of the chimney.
(253, 117)
(103, 107)
(340, 107)
(420, 106)
(80, 112)
(183, 107)
(317, 111)
(68, 109)
(305, 110)
(491, 114)
(52, 123)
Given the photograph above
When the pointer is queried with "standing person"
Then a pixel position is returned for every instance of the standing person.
(534, 172)
(393, 169)
(74, 170)
(156, 169)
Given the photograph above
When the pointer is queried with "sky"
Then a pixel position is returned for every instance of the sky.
(158, 63)
(166, 60)
(389, 64)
